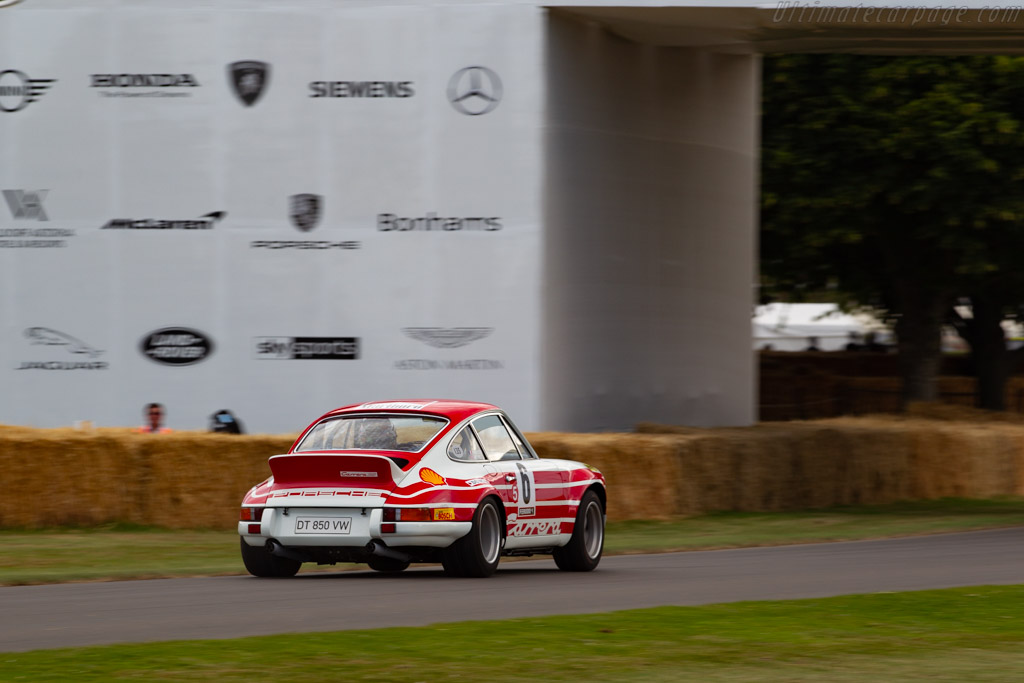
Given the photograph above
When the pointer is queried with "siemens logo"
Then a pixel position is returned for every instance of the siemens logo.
(397, 89)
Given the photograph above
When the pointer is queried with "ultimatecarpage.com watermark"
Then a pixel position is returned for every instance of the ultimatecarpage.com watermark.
(795, 12)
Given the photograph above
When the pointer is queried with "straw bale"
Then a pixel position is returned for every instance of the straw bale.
(641, 470)
(196, 479)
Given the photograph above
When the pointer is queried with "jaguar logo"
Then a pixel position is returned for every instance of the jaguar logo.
(249, 80)
(447, 337)
(44, 336)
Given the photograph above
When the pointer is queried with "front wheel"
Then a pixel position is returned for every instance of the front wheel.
(583, 551)
(477, 553)
(261, 563)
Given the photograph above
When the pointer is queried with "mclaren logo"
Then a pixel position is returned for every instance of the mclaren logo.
(249, 79)
(474, 90)
(17, 90)
(447, 337)
(202, 223)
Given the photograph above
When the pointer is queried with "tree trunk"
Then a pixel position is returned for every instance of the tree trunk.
(919, 335)
(989, 355)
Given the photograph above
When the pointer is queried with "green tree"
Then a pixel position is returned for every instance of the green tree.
(897, 183)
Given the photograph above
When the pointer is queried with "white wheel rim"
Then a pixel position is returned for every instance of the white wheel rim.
(593, 530)
(490, 536)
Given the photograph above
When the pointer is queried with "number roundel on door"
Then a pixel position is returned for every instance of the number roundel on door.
(527, 490)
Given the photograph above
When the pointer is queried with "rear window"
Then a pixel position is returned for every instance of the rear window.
(409, 433)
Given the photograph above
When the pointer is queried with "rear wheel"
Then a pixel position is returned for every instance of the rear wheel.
(259, 562)
(583, 552)
(387, 564)
(477, 553)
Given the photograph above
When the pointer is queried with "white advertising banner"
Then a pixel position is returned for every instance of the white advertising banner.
(273, 211)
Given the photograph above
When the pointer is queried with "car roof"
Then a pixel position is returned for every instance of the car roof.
(454, 410)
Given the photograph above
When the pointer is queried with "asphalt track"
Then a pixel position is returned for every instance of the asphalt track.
(64, 615)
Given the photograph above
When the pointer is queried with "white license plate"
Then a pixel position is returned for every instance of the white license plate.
(323, 525)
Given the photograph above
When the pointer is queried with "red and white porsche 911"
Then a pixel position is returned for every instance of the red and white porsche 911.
(397, 482)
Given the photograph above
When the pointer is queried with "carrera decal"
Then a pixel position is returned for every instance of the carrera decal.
(431, 477)
(536, 528)
(365, 475)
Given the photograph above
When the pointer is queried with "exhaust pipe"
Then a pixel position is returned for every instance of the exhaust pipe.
(380, 550)
(278, 550)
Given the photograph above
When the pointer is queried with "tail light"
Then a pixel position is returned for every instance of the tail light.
(251, 515)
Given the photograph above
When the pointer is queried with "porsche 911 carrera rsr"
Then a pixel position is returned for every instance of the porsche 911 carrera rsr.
(396, 482)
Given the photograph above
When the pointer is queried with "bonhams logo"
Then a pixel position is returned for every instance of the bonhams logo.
(249, 80)
(17, 90)
(390, 222)
(176, 346)
(48, 337)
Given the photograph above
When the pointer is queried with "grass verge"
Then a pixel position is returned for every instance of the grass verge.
(949, 635)
(53, 556)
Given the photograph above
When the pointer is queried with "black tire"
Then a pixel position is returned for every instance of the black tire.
(261, 563)
(583, 551)
(477, 553)
(387, 564)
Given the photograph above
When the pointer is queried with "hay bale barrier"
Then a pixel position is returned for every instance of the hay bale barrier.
(66, 477)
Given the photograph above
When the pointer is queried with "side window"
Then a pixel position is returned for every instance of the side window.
(465, 446)
(497, 443)
(521, 442)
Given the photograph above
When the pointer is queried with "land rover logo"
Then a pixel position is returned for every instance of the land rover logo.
(176, 346)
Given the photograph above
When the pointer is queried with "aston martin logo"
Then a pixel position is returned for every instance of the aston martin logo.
(249, 79)
(474, 90)
(447, 337)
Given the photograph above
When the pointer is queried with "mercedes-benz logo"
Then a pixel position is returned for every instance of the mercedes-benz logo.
(474, 90)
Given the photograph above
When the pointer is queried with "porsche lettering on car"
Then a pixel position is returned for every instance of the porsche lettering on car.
(391, 483)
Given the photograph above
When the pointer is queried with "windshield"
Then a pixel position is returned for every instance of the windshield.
(408, 433)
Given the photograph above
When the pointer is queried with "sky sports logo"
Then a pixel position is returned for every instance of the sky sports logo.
(306, 348)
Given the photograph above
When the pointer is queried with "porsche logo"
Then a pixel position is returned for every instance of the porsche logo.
(249, 80)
